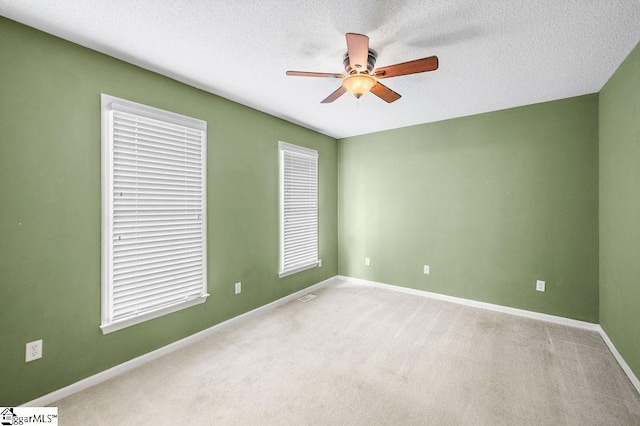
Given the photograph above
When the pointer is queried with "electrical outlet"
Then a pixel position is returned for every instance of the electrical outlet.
(367, 261)
(238, 288)
(33, 351)
(425, 270)
(540, 286)
(319, 263)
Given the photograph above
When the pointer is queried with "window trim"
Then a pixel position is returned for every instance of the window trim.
(282, 147)
(108, 105)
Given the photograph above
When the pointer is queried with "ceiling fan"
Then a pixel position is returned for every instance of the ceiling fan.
(362, 78)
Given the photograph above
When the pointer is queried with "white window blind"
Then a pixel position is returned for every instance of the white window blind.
(298, 208)
(154, 213)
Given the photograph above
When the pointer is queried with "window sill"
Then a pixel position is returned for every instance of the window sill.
(298, 269)
(124, 323)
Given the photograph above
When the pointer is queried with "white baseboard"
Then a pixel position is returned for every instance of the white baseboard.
(150, 356)
(105, 375)
(621, 361)
(514, 311)
(476, 304)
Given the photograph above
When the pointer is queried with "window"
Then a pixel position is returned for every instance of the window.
(298, 208)
(154, 213)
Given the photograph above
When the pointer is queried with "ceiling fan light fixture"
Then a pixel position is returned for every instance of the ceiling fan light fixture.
(359, 84)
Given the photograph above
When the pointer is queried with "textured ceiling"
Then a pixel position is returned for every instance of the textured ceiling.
(493, 54)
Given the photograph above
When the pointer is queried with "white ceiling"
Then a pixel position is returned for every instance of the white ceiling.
(493, 54)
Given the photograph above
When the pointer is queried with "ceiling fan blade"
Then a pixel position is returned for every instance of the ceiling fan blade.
(335, 95)
(313, 74)
(405, 68)
(358, 51)
(384, 93)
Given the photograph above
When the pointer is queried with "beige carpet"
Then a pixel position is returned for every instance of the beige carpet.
(360, 355)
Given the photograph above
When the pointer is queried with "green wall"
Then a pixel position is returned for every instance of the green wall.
(491, 202)
(620, 209)
(50, 216)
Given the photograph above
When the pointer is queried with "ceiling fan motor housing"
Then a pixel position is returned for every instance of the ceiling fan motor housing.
(371, 61)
